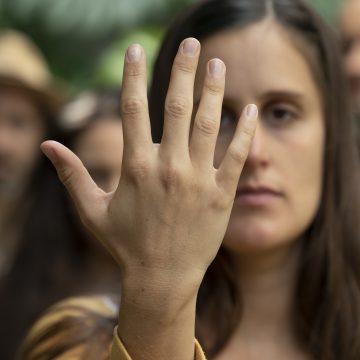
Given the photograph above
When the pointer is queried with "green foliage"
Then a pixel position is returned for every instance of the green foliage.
(85, 40)
(327, 7)
(111, 62)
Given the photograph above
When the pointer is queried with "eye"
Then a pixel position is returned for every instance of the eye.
(228, 119)
(280, 114)
(20, 122)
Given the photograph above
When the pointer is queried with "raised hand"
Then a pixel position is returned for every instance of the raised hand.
(166, 220)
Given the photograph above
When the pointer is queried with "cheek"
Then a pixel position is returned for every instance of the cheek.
(29, 144)
(305, 163)
(297, 167)
(305, 195)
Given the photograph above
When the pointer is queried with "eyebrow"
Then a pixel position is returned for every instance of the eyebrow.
(269, 94)
(285, 94)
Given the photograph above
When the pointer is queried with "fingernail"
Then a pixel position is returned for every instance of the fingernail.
(133, 53)
(216, 67)
(251, 111)
(190, 46)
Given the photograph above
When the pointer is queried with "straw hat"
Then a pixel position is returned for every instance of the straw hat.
(23, 66)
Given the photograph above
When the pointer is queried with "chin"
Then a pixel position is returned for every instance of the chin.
(253, 238)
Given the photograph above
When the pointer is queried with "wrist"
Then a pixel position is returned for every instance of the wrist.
(160, 293)
(157, 320)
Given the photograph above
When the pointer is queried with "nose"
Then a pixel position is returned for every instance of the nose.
(258, 152)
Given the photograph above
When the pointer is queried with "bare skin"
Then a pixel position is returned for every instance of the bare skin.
(22, 129)
(160, 287)
(286, 154)
(175, 201)
(100, 149)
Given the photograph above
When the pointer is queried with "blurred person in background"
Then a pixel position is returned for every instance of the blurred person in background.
(350, 32)
(93, 124)
(28, 107)
(46, 252)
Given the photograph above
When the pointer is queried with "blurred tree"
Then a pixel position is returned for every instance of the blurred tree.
(111, 61)
(327, 7)
(77, 35)
(73, 34)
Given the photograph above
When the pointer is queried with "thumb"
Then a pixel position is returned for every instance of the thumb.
(73, 174)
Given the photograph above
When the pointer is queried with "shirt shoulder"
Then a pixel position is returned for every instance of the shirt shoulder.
(67, 329)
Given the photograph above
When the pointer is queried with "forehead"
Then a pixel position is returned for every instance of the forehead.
(20, 102)
(15, 96)
(258, 58)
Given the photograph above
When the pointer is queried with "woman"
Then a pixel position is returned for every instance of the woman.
(29, 101)
(57, 254)
(285, 282)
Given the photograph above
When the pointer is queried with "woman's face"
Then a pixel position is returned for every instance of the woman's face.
(22, 128)
(100, 148)
(280, 187)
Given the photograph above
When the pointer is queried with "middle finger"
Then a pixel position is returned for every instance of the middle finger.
(179, 99)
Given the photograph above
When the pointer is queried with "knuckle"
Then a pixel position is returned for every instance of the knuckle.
(138, 169)
(237, 155)
(171, 177)
(132, 106)
(133, 70)
(195, 187)
(248, 131)
(214, 88)
(66, 176)
(177, 106)
(186, 67)
(206, 125)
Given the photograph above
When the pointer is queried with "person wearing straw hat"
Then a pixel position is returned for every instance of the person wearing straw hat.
(28, 106)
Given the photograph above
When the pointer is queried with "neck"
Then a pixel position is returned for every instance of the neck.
(267, 282)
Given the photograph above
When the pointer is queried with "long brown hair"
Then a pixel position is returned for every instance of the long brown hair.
(328, 290)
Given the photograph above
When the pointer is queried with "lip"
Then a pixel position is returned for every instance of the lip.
(256, 195)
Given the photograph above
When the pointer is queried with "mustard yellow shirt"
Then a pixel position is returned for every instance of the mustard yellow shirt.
(36, 346)
(119, 352)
